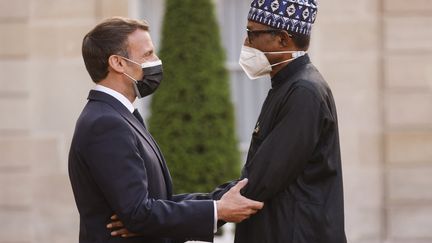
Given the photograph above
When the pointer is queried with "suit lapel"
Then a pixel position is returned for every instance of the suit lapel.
(130, 118)
(164, 166)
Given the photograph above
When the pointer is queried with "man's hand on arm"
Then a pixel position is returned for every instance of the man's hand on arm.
(118, 228)
(232, 207)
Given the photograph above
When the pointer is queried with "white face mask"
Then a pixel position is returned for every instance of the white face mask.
(255, 64)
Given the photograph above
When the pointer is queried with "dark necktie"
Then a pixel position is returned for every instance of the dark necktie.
(138, 116)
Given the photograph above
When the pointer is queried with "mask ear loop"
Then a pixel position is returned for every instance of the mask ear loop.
(136, 81)
(295, 55)
(282, 62)
(301, 53)
(130, 60)
(137, 93)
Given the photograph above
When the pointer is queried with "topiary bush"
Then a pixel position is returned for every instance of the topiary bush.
(192, 115)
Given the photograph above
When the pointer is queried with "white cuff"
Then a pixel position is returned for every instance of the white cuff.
(215, 217)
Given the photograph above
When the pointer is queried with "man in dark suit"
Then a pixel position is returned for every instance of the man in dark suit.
(116, 167)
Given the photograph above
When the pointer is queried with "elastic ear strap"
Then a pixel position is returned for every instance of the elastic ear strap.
(130, 77)
(279, 52)
(278, 63)
(296, 55)
(130, 60)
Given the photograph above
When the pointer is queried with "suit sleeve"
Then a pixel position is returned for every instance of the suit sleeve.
(216, 194)
(114, 162)
(285, 151)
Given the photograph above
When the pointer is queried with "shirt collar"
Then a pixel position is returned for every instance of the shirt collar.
(289, 70)
(116, 95)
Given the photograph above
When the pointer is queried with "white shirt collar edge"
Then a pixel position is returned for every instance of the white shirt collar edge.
(116, 95)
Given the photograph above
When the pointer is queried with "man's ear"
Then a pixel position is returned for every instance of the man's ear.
(285, 39)
(116, 63)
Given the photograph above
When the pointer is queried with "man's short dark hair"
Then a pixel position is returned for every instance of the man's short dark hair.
(106, 39)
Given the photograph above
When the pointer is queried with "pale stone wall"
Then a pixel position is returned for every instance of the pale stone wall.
(43, 87)
(407, 71)
(346, 48)
(376, 56)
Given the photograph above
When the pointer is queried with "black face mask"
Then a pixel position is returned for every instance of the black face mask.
(151, 80)
(153, 74)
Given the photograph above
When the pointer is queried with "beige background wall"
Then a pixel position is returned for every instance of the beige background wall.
(376, 55)
(407, 73)
(43, 87)
(347, 45)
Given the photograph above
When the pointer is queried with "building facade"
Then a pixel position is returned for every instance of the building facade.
(375, 54)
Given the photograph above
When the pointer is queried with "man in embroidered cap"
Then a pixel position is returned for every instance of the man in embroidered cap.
(294, 162)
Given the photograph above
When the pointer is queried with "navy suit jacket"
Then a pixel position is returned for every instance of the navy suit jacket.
(115, 166)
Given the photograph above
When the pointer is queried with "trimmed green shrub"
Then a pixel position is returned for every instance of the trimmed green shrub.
(192, 115)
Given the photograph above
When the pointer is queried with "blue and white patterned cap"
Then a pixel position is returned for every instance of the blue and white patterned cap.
(295, 16)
